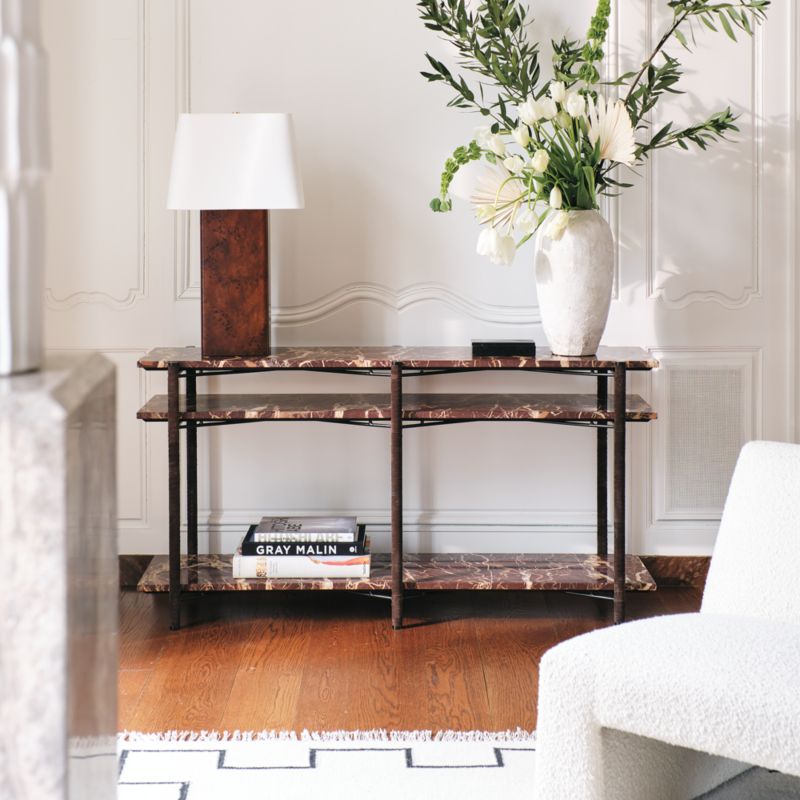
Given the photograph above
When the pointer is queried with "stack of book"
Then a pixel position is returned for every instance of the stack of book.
(303, 547)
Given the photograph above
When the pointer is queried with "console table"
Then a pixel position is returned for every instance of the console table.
(396, 572)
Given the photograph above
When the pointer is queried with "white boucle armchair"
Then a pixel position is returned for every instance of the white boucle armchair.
(670, 707)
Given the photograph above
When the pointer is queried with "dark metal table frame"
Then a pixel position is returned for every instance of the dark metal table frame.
(397, 372)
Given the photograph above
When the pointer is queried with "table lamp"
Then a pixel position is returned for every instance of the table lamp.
(233, 168)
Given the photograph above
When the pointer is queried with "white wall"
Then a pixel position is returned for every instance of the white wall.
(706, 267)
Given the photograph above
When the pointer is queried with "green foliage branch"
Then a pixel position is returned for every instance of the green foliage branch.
(498, 71)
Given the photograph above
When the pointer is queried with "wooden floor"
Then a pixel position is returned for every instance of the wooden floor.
(329, 661)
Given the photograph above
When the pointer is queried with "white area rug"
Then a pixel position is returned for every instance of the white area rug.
(356, 765)
(369, 764)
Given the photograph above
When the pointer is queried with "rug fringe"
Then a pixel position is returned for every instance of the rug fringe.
(377, 734)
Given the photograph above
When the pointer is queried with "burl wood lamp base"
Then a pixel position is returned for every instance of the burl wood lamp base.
(234, 254)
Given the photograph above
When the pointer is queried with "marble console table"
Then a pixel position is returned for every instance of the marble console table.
(601, 410)
(58, 604)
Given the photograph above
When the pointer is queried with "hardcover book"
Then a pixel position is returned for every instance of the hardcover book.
(253, 546)
(306, 529)
(302, 566)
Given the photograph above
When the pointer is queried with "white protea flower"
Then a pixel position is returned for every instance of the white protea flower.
(497, 195)
(610, 123)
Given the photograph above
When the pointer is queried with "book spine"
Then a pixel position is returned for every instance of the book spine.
(271, 538)
(299, 567)
(303, 549)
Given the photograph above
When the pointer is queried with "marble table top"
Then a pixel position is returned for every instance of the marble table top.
(356, 357)
(511, 571)
(565, 407)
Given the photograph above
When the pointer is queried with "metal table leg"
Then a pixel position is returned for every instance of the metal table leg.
(620, 380)
(174, 457)
(397, 494)
(602, 469)
(191, 465)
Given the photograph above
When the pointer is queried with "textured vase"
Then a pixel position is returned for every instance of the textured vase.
(23, 162)
(574, 278)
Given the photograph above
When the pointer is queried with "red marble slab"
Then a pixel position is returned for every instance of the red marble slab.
(446, 571)
(354, 357)
(634, 358)
(565, 407)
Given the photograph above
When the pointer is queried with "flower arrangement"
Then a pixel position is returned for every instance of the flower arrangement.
(553, 147)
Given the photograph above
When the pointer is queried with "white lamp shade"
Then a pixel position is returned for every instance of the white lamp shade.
(234, 161)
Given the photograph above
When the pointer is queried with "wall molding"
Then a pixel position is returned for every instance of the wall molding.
(185, 288)
(753, 288)
(140, 290)
(400, 300)
(609, 206)
(142, 520)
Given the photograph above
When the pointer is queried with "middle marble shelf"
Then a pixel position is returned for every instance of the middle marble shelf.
(581, 408)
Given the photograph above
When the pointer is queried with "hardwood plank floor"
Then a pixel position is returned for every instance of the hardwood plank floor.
(330, 661)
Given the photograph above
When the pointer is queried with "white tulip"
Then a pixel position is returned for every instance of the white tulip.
(548, 108)
(529, 112)
(514, 164)
(481, 136)
(507, 249)
(558, 91)
(556, 198)
(496, 144)
(500, 249)
(526, 221)
(564, 119)
(575, 105)
(558, 224)
(522, 135)
(540, 161)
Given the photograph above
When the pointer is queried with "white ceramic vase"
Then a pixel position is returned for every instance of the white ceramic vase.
(574, 278)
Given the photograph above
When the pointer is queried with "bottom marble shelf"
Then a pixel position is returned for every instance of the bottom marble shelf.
(542, 572)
